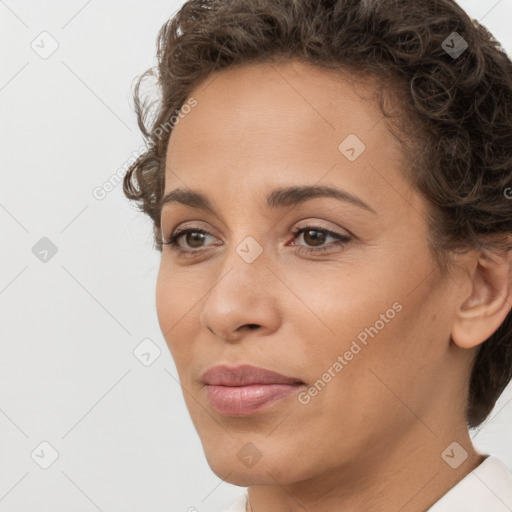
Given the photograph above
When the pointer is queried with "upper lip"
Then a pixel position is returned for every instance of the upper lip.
(243, 375)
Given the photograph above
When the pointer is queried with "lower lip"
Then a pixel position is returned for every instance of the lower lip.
(246, 400)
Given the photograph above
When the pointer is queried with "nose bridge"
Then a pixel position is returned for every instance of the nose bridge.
(246, 238)
(243, 266)
(241, 293)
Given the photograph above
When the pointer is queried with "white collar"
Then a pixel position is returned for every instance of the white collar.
(487, 488)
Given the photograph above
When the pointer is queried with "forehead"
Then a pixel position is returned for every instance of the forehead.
(260, 126)
(270, 103)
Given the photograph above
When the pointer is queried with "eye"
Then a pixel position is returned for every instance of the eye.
(193, 236)
(314, 235)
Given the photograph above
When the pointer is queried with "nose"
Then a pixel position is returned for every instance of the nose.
(242, 300)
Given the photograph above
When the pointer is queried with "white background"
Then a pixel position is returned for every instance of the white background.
(69, 326)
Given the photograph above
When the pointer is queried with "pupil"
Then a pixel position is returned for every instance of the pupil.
(198, 238)
(317, 240)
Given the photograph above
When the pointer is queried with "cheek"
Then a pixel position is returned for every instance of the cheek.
(357, 337)
(175, 303)
(335, 304)
(164, 302)
(357, 391)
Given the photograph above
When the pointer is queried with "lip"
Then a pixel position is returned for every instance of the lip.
(246, 389)
(244, 375)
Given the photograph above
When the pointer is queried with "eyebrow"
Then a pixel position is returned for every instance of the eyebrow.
(278, 198)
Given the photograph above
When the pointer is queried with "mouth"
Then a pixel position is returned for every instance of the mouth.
(244, 390)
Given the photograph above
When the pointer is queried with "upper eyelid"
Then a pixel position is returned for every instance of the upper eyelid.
(296, 231)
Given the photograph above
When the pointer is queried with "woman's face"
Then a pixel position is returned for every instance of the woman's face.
(363, 321)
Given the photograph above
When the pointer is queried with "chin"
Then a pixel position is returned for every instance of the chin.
(244, 478)
(227, 466)
(232, 471)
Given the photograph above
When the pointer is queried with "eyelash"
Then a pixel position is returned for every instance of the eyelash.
(172, 240)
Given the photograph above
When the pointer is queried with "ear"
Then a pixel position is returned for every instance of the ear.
(481, 313)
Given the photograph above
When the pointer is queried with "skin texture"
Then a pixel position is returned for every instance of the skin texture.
(372, 438)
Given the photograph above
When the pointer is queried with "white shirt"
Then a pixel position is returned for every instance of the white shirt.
(488, 488)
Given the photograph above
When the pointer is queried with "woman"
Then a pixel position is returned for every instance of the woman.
(330, 186)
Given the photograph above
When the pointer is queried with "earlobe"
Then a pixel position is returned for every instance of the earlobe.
(482, 312)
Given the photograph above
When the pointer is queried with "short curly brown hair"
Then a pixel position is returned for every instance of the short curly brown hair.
(455, 129)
